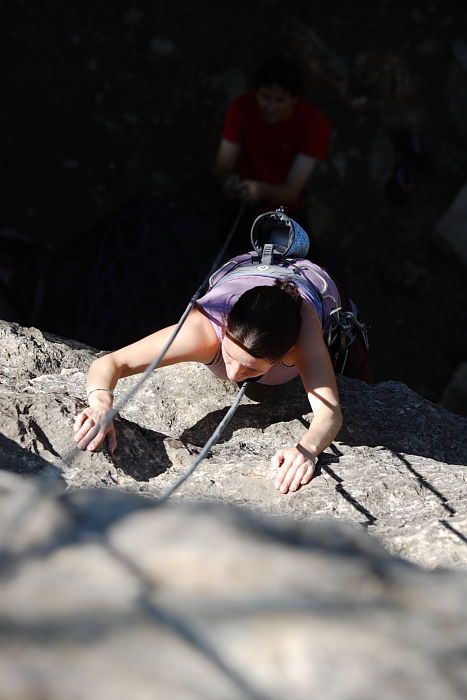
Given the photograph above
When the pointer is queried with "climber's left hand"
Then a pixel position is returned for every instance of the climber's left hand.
(296, 467)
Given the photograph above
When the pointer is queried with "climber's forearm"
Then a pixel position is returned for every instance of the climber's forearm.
(322, 431)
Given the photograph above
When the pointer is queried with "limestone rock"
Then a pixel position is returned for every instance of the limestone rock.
(397, 468)
(32, 354)
(123, 598)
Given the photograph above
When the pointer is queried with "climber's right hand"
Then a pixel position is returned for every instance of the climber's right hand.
(91, 428)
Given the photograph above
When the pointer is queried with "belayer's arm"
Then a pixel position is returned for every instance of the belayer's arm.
(296, 464)
(196, 342)
(226, 160)
(287, 192)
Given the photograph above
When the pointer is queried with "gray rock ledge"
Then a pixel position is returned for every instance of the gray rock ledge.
(108, 596)
(397, 468)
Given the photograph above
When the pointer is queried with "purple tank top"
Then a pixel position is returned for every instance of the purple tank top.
(217, 303)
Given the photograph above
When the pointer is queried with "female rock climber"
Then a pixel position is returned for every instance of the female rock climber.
(257, 322)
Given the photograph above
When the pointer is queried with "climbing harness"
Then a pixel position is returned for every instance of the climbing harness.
(287, 270)
(277, 243)
(342, 329)
(274, 236)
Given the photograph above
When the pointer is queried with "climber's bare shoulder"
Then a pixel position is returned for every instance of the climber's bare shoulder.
(196, 341)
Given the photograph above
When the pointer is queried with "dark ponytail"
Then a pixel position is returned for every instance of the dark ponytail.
(266, 320)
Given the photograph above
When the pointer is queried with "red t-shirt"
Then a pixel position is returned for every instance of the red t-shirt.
(268, 150)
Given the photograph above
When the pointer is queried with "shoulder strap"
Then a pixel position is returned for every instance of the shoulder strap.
(286, 271)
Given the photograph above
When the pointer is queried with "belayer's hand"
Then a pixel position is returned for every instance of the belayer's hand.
(296, 467)
(232, 185)
(250, 190)
(91, 429)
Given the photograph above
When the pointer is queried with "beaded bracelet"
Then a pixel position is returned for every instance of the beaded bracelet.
(88, 394)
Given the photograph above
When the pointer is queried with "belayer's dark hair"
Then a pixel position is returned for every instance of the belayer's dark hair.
(281, 71)
(266, 320)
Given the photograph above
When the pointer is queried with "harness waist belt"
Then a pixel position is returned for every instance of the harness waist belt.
(289, 274)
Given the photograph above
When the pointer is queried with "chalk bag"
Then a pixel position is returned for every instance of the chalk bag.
(280, 235)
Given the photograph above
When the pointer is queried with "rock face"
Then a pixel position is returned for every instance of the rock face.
(397, 468)
(105, 596)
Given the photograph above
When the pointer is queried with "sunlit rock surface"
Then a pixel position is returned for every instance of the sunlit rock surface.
(106, 596)
(397, 468)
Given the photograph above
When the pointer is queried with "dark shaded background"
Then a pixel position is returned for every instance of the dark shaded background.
(110, 114)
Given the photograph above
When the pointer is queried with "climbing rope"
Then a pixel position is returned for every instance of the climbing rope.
(48, 485)
(156, 362)
(131, 393)
(207, 446)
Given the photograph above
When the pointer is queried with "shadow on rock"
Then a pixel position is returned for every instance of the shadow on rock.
(393, 416)
(143, 454)
(257, 416)
(14, 458)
